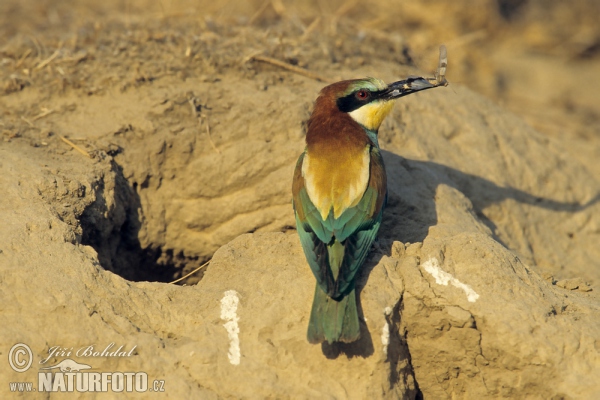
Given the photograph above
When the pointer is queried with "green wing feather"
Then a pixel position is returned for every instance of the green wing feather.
(355, 230)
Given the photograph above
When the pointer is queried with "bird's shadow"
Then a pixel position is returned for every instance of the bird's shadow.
(410, 213)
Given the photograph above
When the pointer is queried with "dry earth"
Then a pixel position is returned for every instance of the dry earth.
(482, 284)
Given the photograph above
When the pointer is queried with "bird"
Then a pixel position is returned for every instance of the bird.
(339, 192)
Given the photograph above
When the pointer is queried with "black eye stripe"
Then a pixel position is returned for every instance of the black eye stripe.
(351, 101)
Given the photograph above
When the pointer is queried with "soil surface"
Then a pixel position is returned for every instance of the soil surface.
(139, 140)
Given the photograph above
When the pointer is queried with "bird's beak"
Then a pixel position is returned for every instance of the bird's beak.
(406, 87)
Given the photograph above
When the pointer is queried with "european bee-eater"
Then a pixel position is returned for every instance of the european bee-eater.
(339, 192)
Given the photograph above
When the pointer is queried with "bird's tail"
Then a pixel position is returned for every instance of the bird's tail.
(332, 320)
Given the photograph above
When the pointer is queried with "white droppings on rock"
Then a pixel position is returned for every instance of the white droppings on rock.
(385, 332)
(442, 277)
(385, 337)
(229, 304)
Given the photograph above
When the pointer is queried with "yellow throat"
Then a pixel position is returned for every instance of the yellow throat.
(372, 115)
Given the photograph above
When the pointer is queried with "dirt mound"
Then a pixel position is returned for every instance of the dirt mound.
(180, 148)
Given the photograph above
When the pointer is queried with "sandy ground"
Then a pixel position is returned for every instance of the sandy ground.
(77, 70)
(178, 142)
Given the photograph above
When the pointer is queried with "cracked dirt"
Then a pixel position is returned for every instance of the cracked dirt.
(483, 282)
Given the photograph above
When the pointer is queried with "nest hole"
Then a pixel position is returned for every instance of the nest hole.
(112, 230)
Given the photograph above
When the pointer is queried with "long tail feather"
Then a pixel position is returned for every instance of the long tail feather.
(332, 320)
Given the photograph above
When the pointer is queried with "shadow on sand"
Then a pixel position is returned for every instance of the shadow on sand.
(408, 217)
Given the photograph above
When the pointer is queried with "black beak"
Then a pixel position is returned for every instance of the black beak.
(417, 83)
(406, 87)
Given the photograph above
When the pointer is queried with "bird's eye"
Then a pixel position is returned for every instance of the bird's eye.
(362, 94)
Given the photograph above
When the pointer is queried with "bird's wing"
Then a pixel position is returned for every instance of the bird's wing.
(361, 229)
(356, 249)
(314, 233)
(356, 229)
